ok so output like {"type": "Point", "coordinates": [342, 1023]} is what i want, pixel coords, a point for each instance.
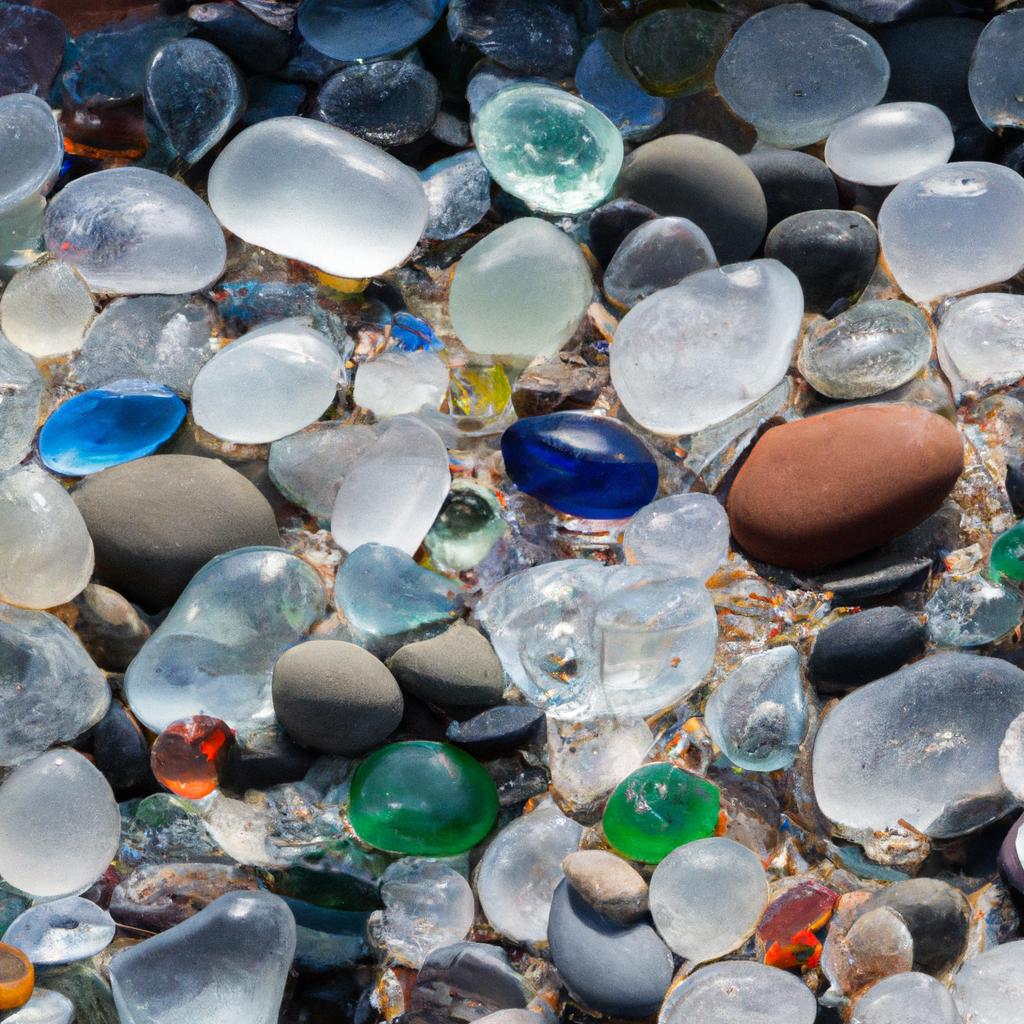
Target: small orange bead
{"type": "Point", "coordinates": [189, 756]}
{"type": "Point", "coordinates": [17, 977]}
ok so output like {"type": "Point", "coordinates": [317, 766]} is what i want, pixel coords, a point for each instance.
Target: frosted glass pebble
{"type": "Point", "coordinates": [689, 532]}
{"type": "Point", "coordinates": [61, 931]}
{"type": "Point", "coordinates": [968, 611]}
{"type": "Point", "coordinates": [46, 308]}
{"type": "Point", "coordinates": [271, 382]}
{"type": "Point", "coordinates": [929, 221]}
{"type": "Point", "coordinates": [398, 382]}
{"type": "Point", "coordinates": [21, 393]}
{"type": "Point", "coordinates": [393, 491]}
{"type": "Point", "coordinates": [989, 988]}
{"type": "Point", "coordinates": [46, 555]}
{"type": "Point", "coordinates": [981, 341]}
{"type": "Point", "coordinates": [129, 230]}
{"type": "Point", "coordinates": [1011, 758]}
{"type": "Point", "coordinates": [315, 193]}
{"type": "Point", "coordinates": [458, 192]}
{"type": "Point", "coordinates": [707, 897]}
{"type": "Point", "coordinates": [794, 73]}
{"type": "Point", "coordinates": [59, 825]}
{"type": "Point", "coordinates": [911, 998]}
{"type": "Point", "coordinates": [889, 143]}
{"type": "Point", "coordinates": [32, 148]}
{"type": "Point", "coordinates": [995, 76]}
{"type": "Point", "coordinates": [521, 291]}
{"type": "Point", "coordinates": [45, 1007]}
{"type": "Point", "coordinates": [695, 354]}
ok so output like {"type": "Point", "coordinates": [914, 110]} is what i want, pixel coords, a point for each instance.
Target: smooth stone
{"type": "Point", "coordinates": [872, 575]}
{"type": "Point", "coordinates": [794, 73]}
{"type": "Point", "coordinates": [121, 751]}
{"type": "Point", "coordinates": [388, 103]}
{"type": "Point", "coordinates": [269, 98]}
{"type": "Point", "coordinates": [1006, 559]}
{"type": "Point", "coordinates": [832, 252]}
{"type": "Point", "coordinates": [214, 653]}
{"type": "Point", "coordinates": [335, 697]}
{"type": "Point", "coordinates": [350, 30]}
{"type": "Point", "coordinates": [46, 308]}
{"type": "Point", "coordinates": [971, 610]}
{"type": "Point", "coordinates": [458, 192]}
{"type": "Point", "coordinates": [689, 532]}
{"type": "Point", "coordinates": [51, 689]}
{"type": "Point", "coordinates": [818, 491]}
{"type": "Point", "coordinates": [33, 149]}
{"type": "Point", "coordinates": [156, 521]}
{"type": "Point", "coordinates": [863, 647]}
{"type": "Point", "coordinates": [693, 355]}
{"type": "Point", "coordinates": [615, 889]}
{"type": "Point", "coordinates": [703, 181]}
{"type": "Point", "coordinates": [609, 225]}
{"type": "Point", "coordinates": [989, 987]}
{"type": "Point", "coordinates": [911, 998]}
{"type": "Point", "coordinates": [1011, 757]}
{"type": "Point", "coordinates": [498, 730]}
{"type": "Point", "coordinates": [61, 932]}
{"type": "Point", "coordinates": [230, 961]}
{"type": "Point", "coordinates": [621, 971]}
{"type": "Point", "coordinates": [271, 382]}
{"type": "Point", "coordinates": [588, 466]}
{"type": "Point", "coordinates": [521, 291]}
{"type": "Point", "coordinates": [31, 49]}
{"type": "Point", "coordinates": [793, 182]}
{"type": "Point", "coordinates": [869, 349]}
{"type": "Point", "coordinates": [393, 489]}
{"type": "Point", "coordinates": [44, 1007]}
{"type": "Point", "coordinates": [276, 183]}
{"type": "Point", "coordinates": [457, 669]}
{"type": "Point", "coordinates": [1011, 867]}
{"type": "Point", "coordinates": [59, 825]}
{"type": "Point", "coordinates": [981, 341]}
{"type": "Point", "coordinates": [129, 230]}
{"type": "Point", "coordinates": [994, 79]}
{"type": "Point", "coordinates": [927, 222]}
{"type": "Point", "coordinates": [47, 550]}
{"type": "Point", "coordinates": [21, 394]}
{"type": "Point", "coordinates": [397, 383]}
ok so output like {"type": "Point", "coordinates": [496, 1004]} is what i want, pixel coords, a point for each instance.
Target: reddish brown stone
{"type": "Point", "coordinates": [821, 490]}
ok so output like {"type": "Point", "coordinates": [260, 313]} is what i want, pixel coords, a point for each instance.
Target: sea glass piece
{"type": "Point", "coordinates": [1006, 559]}
{"type": "Point", "coordinates": [125, 420]}
{"type": "Point", "coordinates": [45, 1007]}
{"type": "Point", "coordinates": [553, 150]}
{"type": "Point", "coordinates": [468, 526]}
{"type": "Point", "coordinates": [787, 929]}
{"type": "Point", "coordinates": [21, 393]}
{"type": "Point", "coordinates": [968, 611]}
{"type": "Point", "coordinates": [190, 755]}
{"type": "Point", "coordinates": [688, 532]}
{"type": "Point", "coordinates": [214, 654]}
{"type": "Point", "coordinates": [47, 551]}
{"type": "Point", "coordinates": [229, 962]}
{"type": "Point", "coordinates": [422, 798]}
{"type": "Point", "coordinates": [277, 185]}
{"type": "Point", "coordinates": [886, 144]}
{"type": "Point", "coordinates": [353, 30]}
{"type": "Point", "coordinates": [397, 382]}
{"type": "Point", "coordinates": [46, 308]}
{"type": "Point", "coordinates": [989, 987]}
{"type": "Point", "coordinates": [521, 292]}
{"type": "Point", "coordinates": [458, 192]}
{"type": "Point", "coordinates": [981, 341]}
{"type": "Point", "coordinates": [927, 221]}
{"type": "Point", "coordinates": [195, 94]}
{"type": "Point", "coordinates": [61, 931]}
{"type": "Point", "coordinates": [873, 347]}
{"type": "Point", "coordinates": [59, 825]}
{"type": "Point", "coordinates": [994, 79]}
{"type": "Point", "coordinates": [911, 998]}
{"type": "Point", "coordinates": [271, 382]}
{"type": "Point", "coordinates": [658, 808]}
{"type": "Point", "coordinates": [695, 354]}
{"type": "Point", "coordinates": [33, 149]}
{"type": "Point", "coordinates": [794, 73]}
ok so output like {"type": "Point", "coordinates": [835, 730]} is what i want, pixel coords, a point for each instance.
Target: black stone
{"type": "Point", "coordinates": [267, 759]}
{"type": "Point", "coordinates": [1015, 486]}
{"type": "Point", "coordinates": [110, 628]}
{"type": "Point", "coordinates": [793, 182]}
{"type": "Point", "coordinates": [270, 98]}
{"type": "Point", "coordinates": [873, 575]}
{"type": "Point", "coordinates": [609, 225]}
{"type": "Point", "coordinates": [497, 730]}
{"type": "Point", "coordinates": [976, 142]}
{"type": "Point", "coordinates": [120, 751]}
{"type": "Point", "coordinates": [241, 35]}
{"type": "Point", "coordinates": [1010, 866]}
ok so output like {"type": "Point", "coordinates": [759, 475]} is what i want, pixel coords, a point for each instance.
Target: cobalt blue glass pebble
{"type": "Point", "coordinates": [587, 466]}
{"type": "Point", "coordinates": [411, 334]}
{"type": "Point", "coordinates": [106, 426]}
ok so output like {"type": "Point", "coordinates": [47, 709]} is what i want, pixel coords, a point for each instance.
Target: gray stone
{"type": "Point", "coordinates": [612, 887]}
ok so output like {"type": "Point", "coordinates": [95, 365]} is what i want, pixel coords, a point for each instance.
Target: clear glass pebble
{"type": "Point", "coordinates": [968, 611]}
{"type": "Point", "coordinates": [981, 341]}
{"type": "Point", "coordinates": [45, 1007]}
{"type": "Point", "coordinates": [1011, 758]}
{"type": "Point", "coordinates": [61, 931]}
{"type": "Point", "coordinates": [458, 192]}
{"type": "Point", "coordinates": [688, 532]}
{"type": "Point", "coordinates": [398, 382]}
{"type": "Point", "coordinates": [33, 149]}
{"type": "Point", "coordinates": [877, 945]}
{"type": "Point", "coordinates": [46, 308]}
{"type": "Point", "coordinates": [994, 79]}
{"type": "Point", "coordinates": [989, 987]}
{"type": "Point", "coordinates": [911, 998]}
{"type": "Point", "coordinates": [21, 393]}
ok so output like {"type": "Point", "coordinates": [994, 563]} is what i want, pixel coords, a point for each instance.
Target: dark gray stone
{"type": "Point", "coordinates": [793, 182]}
{"type": "Point", "coordinates": [120, 751]}
{"type": "Point", "coordinates": [472, 973]}
{"type": "Point", "coordinates": [609, 225]}
{"type": "Point", "coordinates": [497, 730]}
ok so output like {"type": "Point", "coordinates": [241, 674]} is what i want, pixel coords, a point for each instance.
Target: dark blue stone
{"type": "Point", "coordinates": [587, 466]}
{"type": "Point", "coordinates": [104, 427]}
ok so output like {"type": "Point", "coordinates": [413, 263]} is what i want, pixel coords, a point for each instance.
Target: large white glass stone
{"type": "Point", "coordinates": [981, 341]}
{"type": "Point", "coordinates": [399, 382]}
{"type": "Point", "coordinates": [689, 532]}
{"type": "Point", "coordinates": [989, 988]}
{"type": "Point", "coordinates": [910, 998]}
{"type": "Point", "coordinates": [32, 148]}
{"type": "Point", "coordinates": [46, 308]}
{"type": "Point", "coordinates": [995, 77]}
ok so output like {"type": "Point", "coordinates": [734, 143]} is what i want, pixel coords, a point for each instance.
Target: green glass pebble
{"type": "Point", "coordinates": [547, 147]}
{"type": "Point", "coordinates": [469, 524]}
{"type": "Point", "coordinates": [658, 808]}
{"type": "Point", "coordinates": [1006, 561]}
{"type": "Point", "coordinates": [422, 798]}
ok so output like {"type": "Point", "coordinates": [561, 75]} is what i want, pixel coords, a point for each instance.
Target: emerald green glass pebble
{"type": "Point", "coordinates": [422, 798]}
{"type": "Point", "coordinates": [1006, 561]}
{"type": "Point", "coordinates": [658, 808]}
{"type": "Point", "coordinates": [547, 147]}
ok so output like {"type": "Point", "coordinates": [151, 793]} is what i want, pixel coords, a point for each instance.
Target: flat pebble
{"type": "Point", "coordinates": [912, 998]}
{"type": "Point", "coordinates": [981, 341]}
{"type": "Point", "coordinates": [609, 884]}
{"type": "Point", "coordinates": [349, 30]}
{"type": "Point", "coordinates": [988, 988]}
{"type": "Point", "coordinates": [993, 79]}
{"type": "Point", "coordinates": [689, 532]}
{"type": "Point", "coordinates": [397, 382]}
{"type": "Point", "coordinates": [62, 931]}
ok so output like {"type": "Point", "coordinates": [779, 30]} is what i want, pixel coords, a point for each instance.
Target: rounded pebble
{"type": "Point", "coordinates": [46, 308]}
{"type": "Point", "coordinates": [33, 148]}
{"type": "Point", "coordinates": [61, 931]}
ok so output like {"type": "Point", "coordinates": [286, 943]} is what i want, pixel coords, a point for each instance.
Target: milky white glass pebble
{"type": "Point", "coordinates": [46, 555]}
{"type": "Point", "coordinates": [46, 308]}
{"type": "Point", "coordinates": [707, 897]}
{"type": "Point", "coordinates": [911, 998]}
{"type": "Point", "coordinates": [59, 825]}
{"type": "Point", "coordinates": [989, 988]}
{"type": "Point", "coordinates": [271, 382]}
{"type": "Point", "coordinates": [689, 532]}
{"type": "Point", "coordinates": [695, 354]}
{"type": "Point", "coordinates": [888, 143]}
{"type": "Point", "coordinates": [129, 231]}
{"type": "Point", "coordinates": [981, 341]}
{"type": "Point", "coordinates": [61, 931]}
{"type": "Point", "coordinates": [521, 291]}
{"type": "Point", "coordinates": [794, 73]}
{"type": "Point", "coordinates": [308, 190]}
{"type": "Point", "coordinates": [45, 1007]}
{"type": "Point", "coordinates": [398, 382]}
{"type": "Point", "coordinates": [521, 869]}
{"type": "Point", "coordinates": [928, 222]}
{"type": "Point", "coordinates": [995, 76]}
{"type": "Point", "coordinates": [1011, 758]}
{"type": "Point", "coordinates": [394, 489]}
{"type": "Point", "coordinates": [21, 393]}
{"type": "Point", "coordinates": [32, 148]}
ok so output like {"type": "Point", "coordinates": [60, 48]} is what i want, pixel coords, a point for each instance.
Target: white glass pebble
{"type": "Point", "coordinates": [61, 931]}
{"type": "Point", "coordinates": [688, 532]}
{"type": "Point", "coordinates": [910, 998]}
{"type": "Point", "coordinates": [995, 76]}
{"type": "Point", "coordinates": [981, 341]}
{"type": "Point", "coordinates": [32, 148]}
{"type": "Point", "coordinates": [46, 308]}
{"type": "Point", "coordinates": [989, 987]}
{"type": "Point", "coordinates": [398, 382]}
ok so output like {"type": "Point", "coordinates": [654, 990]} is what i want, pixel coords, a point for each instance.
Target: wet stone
{"type": "Point", "coordinates": [190, 755]}
{"type": "Point", "coordinates": [497, 730]}
{"type": "Point", "coordinates": [610, 223]}
{"type": "Point", "coordinates": [21, 390]}
{"type": "Point", "coordinates": [348, 30]}
{"type": "Point", "coordinates": [61, 931]}
{"type": "Point", "coordinates": [458, 192]}
{"type": "Point", "coordinates": [31, 49]}
{"type": "Point", "coordinates": [793, 182]}
{"type": "Point", "coordinates": [611, 886]}
{"type": "Point", "coordinates": [242, 36]}
{"type": "Point", "coordinates": [34, 146]}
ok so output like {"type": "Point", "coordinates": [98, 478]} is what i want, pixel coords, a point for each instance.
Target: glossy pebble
{"type": "Point", "coordinates": [351, 30]}
{"type": "Point", "coordinates": [689, 532]}
{"type": "Point", "coordinates": [17, 977]}
{"type": "Point", "coordinates": [21, 392]}
{"type": "Point", "coordinates": [62, 931]}
{"type": "Point", "coordinates": [398, 382]}
{"type": "Point", "coordinates": [994, 78]}
{"type": "Point", "coordinates": [989, 987]}
{"type": "Point", "coordinates": [981, 341]}
{"type": "Point", "coordinates": [458, 191]}
{"type": "Point", "coordinates": [45, 1007]}
{"type": "Point", "coordinates": [190, 755]}
{"type": "Point", "coordinates": [911, 998]}
{"type": "Point", "coordinates": [33, 148]}
{"type": "Point", "coordinates": [46, 308]}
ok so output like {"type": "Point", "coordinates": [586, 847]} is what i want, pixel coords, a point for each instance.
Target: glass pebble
{"type": "Point", "coordinates": [190, 755]}
{"type": "Point", "coordinates": [468, 526]}
{"type": "Point", "coordinates": [33, 149]}
{"type": "Point", "coordinates": [994, 78]}
{"type": "Point", "coordinates": [981, 341]}
{"type": "Point", "coordinates": [62, 931]}
{"type": "Point", "coordinates": [353, 30]}
{"type": "Point", "coordinates": [46, 308]}
{"type": "Point", "coordinates": [989, 987]}
{"type": "Point", "coordinates": [458, 192]}
{"type": "Point", "coordinates": [970, 611]}
{"type": "Point", "coordinates": [21, 393]}
{"type": "Point", "coordinates": [688, 532]}
{"type": "Point", "coordinates": [1006, 559]}
{"type": "Point", "coordinates": [45, 1007]}
{"type": "Point", "coordinates": [911, 998]}
{"type": "Point", "coordinates": [18, 977]}
{"type": "Point", "coordinates": [397, 382]}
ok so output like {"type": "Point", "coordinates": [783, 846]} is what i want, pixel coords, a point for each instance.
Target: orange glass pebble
{"type": "Point", "coordinates": [189, 756]}
{"type": "Point", "coordinates": [17, 977]}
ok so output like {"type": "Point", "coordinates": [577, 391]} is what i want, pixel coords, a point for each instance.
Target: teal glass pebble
{"type": "Point", "coordinates": [554, 151]}
{"type": "Point", "coordinates": [104, 427]}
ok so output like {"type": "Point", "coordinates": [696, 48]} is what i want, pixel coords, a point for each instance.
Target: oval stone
{"type": "Point", "coordinates": [587, 466]}
{"type": "Point", "coordinates": [353, 30]}
{"type": "Point", "coordinates": [33, 148]}
{"type": "Point", "coordinates": [128, 230]}
{"type": "Point", "coordinates": [821, 490]}
{"type": "Point", "coordinates": [313, 192]}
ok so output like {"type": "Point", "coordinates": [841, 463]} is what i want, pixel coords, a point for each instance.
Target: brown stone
{"type": "Point", "coordinates": [821, 490]}
{"type": "Point", "coordinates": [615, 889]}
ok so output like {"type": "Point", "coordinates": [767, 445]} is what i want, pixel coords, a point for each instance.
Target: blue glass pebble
{"type": "Point", "coordinates": [587, 466]}
{"type": "Point", "coordinates": [104, 427]}
{"type": "Point", "coordinates": [411, 334]}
